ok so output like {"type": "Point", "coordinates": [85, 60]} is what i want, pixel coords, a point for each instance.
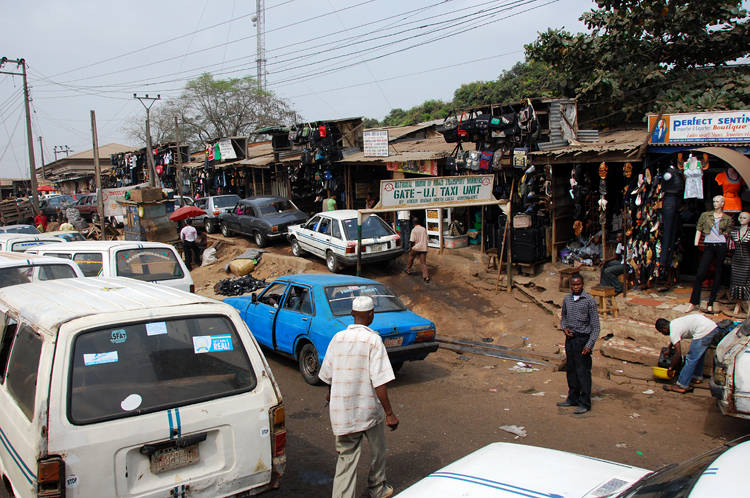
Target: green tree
{"type": "Point", "coordinates": [427, 111]}
{"type": "Point", "coordinates": [643, 56]}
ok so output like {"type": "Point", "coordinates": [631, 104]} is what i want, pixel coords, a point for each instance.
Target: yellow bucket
{"type": "Point", "coordinates": [661, 373]}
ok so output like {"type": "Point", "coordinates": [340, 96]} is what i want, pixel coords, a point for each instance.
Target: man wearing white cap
{"type": "Point", "coordinates": [356, 368]}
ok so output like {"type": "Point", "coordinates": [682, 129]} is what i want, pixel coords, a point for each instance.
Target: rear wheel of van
{"type": "Point", "coordinates": [309, 365]}
{"type": "Point", "coordinates": [225, 231]}
{"type": "Point", "coordinates": [296, 248]}
{"type": "Point", "coordinates": [331, 262]}
{"type": "Point", "coordinates": [210, 226]}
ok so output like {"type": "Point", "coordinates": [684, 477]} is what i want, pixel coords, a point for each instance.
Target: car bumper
{"type": "Point", "coordinates": [417, 351]}
{"type": "Point", "coordinates": [370, 257]}
{"type": "Point", "coordinates": [716, 390]}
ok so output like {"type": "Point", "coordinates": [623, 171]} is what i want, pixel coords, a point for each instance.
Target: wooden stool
{"type": "Point", "coordinates": [603, 292]}
{"type": "Point", "coordinates": [565, 275]}
{"type": "Point", "coordinates": [492, 261]}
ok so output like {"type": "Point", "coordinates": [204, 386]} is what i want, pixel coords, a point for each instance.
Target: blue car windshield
{"type": "Point", "coordinates": [372, 227]}
{"type": "Point", "coordinates": [340, 298]}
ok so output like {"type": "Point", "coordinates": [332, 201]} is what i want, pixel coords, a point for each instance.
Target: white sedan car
{"type": "Point", "coordinates": [506, 470]}
{"type": "Point", "coordinates": [332, 235]}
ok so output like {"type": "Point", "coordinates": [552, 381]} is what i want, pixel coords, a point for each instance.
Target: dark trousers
{"type": "Point", "coordinates": [192, 252]}
{"type": "Point", "coordinates": [713, 252]}
{"type": "Point", "coordinates": [671, 205]}
{"type": "Point", "coordinates": [609, 275]}
{"type": "Point", "coordinates": [578, 368]}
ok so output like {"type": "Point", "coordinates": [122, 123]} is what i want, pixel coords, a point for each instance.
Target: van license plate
{"type": "Point", "coordinates": [376, 248]}
{"type": "Point", "coordinates": [393, 342]}
{"type": "Point", "coordinates": [174, 458]}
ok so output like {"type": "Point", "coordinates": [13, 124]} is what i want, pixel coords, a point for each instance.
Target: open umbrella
{"type": "Point", "coordinates": [186, 212]}
{"type": "Point", "coordinates": [45, 188]}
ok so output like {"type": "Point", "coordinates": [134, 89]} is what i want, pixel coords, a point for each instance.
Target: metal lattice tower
{"type": "Point", "coordinates": [260, 24]}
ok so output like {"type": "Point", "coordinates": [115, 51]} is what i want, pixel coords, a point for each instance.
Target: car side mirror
{"type": "Point", "coordinates": [253, 298]}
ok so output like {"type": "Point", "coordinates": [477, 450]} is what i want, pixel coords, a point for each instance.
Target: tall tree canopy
{"type": "Point", "coordinates": [209, 109]}
{"type": "Point", "coordinates": [643, 56]}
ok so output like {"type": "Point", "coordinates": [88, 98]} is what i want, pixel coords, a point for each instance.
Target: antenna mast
{"type": "Point", "coordinates": [260, 23]}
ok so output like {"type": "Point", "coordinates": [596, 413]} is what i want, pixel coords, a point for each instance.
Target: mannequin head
{"type": "Point", "coordinates": [732, 173]}
{"type": "Point", "coordinates": [744, 218]}
{"type": "Point", "coordinates": [718, 202]}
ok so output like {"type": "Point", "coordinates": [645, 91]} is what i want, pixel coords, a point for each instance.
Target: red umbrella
{"type": "Point", "coordinates": [186, 212]}
{"type": "Point", "coordinates": [45, 188]}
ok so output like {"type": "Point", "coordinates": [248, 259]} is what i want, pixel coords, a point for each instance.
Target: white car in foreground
{"type": "Point", "coordinates": [332, 235]}
{"type": "Point", "coordinates": [506, 470]}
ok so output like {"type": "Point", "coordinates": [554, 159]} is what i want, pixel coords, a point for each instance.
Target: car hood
{"type": "Point", "coordinates": [502, 470]}
{"type": "Point", "coordinates": [393, 323]}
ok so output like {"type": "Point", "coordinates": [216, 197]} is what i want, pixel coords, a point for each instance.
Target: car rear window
{"type": "Point", "coordinates": [90, 263]}
{"type": "Point", "coordinates": [26, 244]}
{"type": "Point", "coordinates": [372, 227]}
{"type": "Point", "coordinates": [149, 264]}
{"type": "Point", "coordinates": [27, 229]}
{"type": "Point", "coordinates": [340, 298]}
{"type": "Point", "coordinates": [226, 201]}
{"type": "Point", "coordinates": [25, 274]}
{"type": "Point", "coordinates": [130, 369]}
{"type": "Point", "coordinates": [276, 207]}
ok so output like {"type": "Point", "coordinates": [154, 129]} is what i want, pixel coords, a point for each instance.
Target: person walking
{"type": "Point", "coordinates": [580, 324]}
{"type": "Point", "coordinates": [356, 368]}
{"type": "Point", "coordinates": [188, 234]}
{"type": "Point", "coordinates": [702, 331]}
{"type": "Point", "coordinates": [418, 248]}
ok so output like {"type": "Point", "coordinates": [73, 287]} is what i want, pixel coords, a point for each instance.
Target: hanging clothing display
{"type": "Point", "coordinates": [739, 282]}
{"type": "Point", "coordinates": [693, 179]}
{"type": "Point", "coordinates": [731, 188]}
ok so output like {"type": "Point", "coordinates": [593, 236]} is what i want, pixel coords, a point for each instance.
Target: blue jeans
{"type": "Point", "coordinates": [609, 275]}
{"type": "Point", "coordinates": [693, 368]}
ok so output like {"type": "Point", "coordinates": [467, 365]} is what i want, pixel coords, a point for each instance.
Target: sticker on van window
{"type": "Point", "coordinates": [159, 328]}
{"type": "Point", "coordinates": [100, 358]}
{"type": "Point", "coordinates": [131, 402]}
{"type": "Point", "coordinates": [119, 336]}
{"type": "Point", "coordinates": [212, 343]}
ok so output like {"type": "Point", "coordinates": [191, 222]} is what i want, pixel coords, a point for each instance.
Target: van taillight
{"type": "Point", "coordinates": [51, 478]}
{"type": "Point", "coordinates": [278, 417]}
{"type": "Point", "coordinates": [192, 288]}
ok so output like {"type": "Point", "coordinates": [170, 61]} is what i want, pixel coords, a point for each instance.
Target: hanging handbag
{"type": "Point", "coordinates": [450, 164]}
{"type": "Point", "coordinates": [472, 160]}
{"type": "Point", "coordinates": [485, 161]}
{"type": "Point", "coordinates": [527, 119]}
{"type": "Point", "coordinates": [497, 159]}
{"type": "Point", "coordinates": [483, 122]}
{"type": "Point", "coordinates": [461, 159]}
{"type": "Point", "coordinates": [520, 157]}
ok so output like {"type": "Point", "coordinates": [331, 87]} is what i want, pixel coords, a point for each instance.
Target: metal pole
{"type": "Point", "coordinates": [150, 152]}
{"type": "Point", "coordinates": [30, 139]}
{"type": "Point", "coordinates": [359, 244]}
{"type": "Point", "coordinates": [41, 149]}
{"type": "Point", "coordinates": [179, 161]}
{"type": "Point", "coordinates": [98, 173]}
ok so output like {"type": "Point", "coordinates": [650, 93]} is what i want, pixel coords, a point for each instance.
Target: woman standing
{"type": "Point", "coordinates": [717, 226]}
{"type": "Point", "coordinates": [739, 282]}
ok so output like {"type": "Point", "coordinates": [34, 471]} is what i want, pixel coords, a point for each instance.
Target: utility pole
{"type": "Point", "coordinates": [98, 173]}
{"type": "Point", "coordinates": [259, 20]}
{"type": "Point", "coordinates": [41, 150]}
{"type": "Point", "coordinates": [60, 149]}
{"type": "Point", "coordinates": [180, 180]}
{"type": "Point", "coordinates": [150, 152]}
{"type": "Point", "coordinates": [29, 138]}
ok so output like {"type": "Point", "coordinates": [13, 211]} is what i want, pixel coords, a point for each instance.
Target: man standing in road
{"type": "Point", "coordinates": [356, 368]}
{"type": "Point", "coordinates": [418, 242]}
{"type": "Point", "coordinates": [702, 331]}
{"type": "Point", "coordinates": [580, 323]}
{"type": "Point", "coordinates": [188, 235]}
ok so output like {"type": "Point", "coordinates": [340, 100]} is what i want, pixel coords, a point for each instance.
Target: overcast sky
{"type": "Point", "coordinates": [329, 58]}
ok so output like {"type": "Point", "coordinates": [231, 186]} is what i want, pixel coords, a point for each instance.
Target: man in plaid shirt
{"type": "Point", "coordinates": [580, 323]}
{"type": "Point", "coordinates": [357, 369]}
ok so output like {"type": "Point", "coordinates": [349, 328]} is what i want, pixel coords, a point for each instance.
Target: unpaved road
{"type": "Point", "coordinates": [451, 404]}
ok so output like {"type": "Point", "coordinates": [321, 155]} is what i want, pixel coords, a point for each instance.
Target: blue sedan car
{"type": "Point", "coordinates": [298, 315]}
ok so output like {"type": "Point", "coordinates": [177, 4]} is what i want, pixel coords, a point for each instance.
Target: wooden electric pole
{"type": "Point", "coordinates": [41, 150]}
{"type": "Point", "coordinates": [98, 173]}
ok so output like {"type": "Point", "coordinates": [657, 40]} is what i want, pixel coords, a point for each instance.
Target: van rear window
{"type": "Point", "coordinates": [149, 264]}
{"type": "Point", "coordinates": [33, 273]}
{"type": "Point", "coordinates": [131, 369]}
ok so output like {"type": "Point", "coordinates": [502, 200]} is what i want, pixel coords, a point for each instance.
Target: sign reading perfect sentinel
{"type": "Point", "coordinates": [418, 193]}
{"type": "Point", "coordinates": [710, 127]}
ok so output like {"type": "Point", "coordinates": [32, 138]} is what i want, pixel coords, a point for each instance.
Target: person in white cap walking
{"type": "Point", "coordinates": [356, 368]}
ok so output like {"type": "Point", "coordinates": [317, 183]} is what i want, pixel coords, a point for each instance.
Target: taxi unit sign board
{"type": "Point", "coordinates": [418, 193]}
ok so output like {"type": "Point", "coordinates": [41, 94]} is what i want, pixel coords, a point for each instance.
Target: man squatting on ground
{"type": "Point", "coordinates": [356, 368]}
{"type": "Point", "coordinates": [702, 331]}
{"type": "Point", "coordinates": [580, 323]}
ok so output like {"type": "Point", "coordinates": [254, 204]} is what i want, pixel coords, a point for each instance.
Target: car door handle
{"type": "Point", "coordinates": [271, 312]}
{"type": "Point", "coordinates": [304, 319]}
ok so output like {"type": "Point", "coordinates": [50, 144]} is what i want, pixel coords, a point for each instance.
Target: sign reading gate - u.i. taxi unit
{"type": "Point", "coordinates": [419, 193]}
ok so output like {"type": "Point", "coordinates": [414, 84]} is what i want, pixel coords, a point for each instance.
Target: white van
{"type": "Point", "coordinates": [730, 382]}
{"type": "Point", "coordinates": [153, 262]}
{"type": "Point", "coordinates": [19, 242]}
{"type": "Point", "coordinates": [21, 268]}
{"type": "Point", "coordinates": [112, 387]}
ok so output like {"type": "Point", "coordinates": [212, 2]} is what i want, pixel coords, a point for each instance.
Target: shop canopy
{"type": "Point", "coordinates": [738, 161]}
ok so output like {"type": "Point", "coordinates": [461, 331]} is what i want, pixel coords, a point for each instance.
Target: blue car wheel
{"type": "Point", "coordinates": [309, 366]}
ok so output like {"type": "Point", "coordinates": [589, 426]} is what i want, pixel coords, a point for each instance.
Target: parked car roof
{"type": "Point", "coordinates": [265, 198]}
{"type": "Point", "coordinates": [8, 257]}
{"type": "Point", "coordinates": [26, 236]}
{"type": "Point", "coordinates": [103, 245]}
{"type": "Point", "coordinates": [52, 303]}
{"type": "Point", "coordinates": [325, 279]}
{"type": "Point", "coordinates": [342, 214]}
{"type": "Point", "coordinates": [27, 229]}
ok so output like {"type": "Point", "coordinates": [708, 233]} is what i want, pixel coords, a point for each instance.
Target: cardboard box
{"type": "Point", "coordinates": [452, 242]}
{"type": "Point", "coordinates": [150, 194]}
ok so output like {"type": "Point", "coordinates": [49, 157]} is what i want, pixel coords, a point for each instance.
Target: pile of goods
{"type": "Point", "coordinates": [239, 286]}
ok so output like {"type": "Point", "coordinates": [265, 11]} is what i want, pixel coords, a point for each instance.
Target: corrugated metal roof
{"type": "Point", "coordinates": [396, 132]}
{"type": "Point", "coordinates": [416, 150]}
{"type": "Point", "coordinates": [609, 141]}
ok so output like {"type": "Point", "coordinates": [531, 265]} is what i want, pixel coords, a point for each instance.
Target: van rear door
{"type": "Point", "coordinates": [170, 406]}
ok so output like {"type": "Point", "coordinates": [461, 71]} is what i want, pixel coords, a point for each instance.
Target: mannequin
{"type": "Point", "coordinates": [731, 183]}
{"type": "Point", "coordinates": [693, 170]}
{"type": "Point", "coordinates": [739, 286]}
{"type": "Point", "coordinates": [717, 227]}
{"type": "Point", "coordinates": [673, 187]}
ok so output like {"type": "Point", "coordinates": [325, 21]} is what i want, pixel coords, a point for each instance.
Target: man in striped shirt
{"type": "Point", "coordinates": [356, 368]}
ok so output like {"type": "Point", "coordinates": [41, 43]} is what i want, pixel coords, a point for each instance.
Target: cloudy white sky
{"type": "Point", "coordinates": [329, 58]}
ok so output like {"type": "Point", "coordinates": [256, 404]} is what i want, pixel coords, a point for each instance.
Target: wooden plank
{"type": "Point", "coordinates": [505, 355]}
{"type": "Point", "coordinates": [497, 347]}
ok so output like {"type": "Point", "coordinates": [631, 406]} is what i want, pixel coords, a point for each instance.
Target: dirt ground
{"type": "Point", "coordinates": [452, 404]}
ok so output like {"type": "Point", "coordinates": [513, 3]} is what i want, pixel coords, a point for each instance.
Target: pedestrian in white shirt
{"type": "Point", "coordinates": [356, 368]}
{"type": "Point", "coordinates": [191, 250]}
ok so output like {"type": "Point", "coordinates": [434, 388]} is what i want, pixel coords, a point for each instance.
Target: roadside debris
{"type": "Point", "coordinates": [514, 429]}
{"type": "Point", "coordinates": [239, 286]}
